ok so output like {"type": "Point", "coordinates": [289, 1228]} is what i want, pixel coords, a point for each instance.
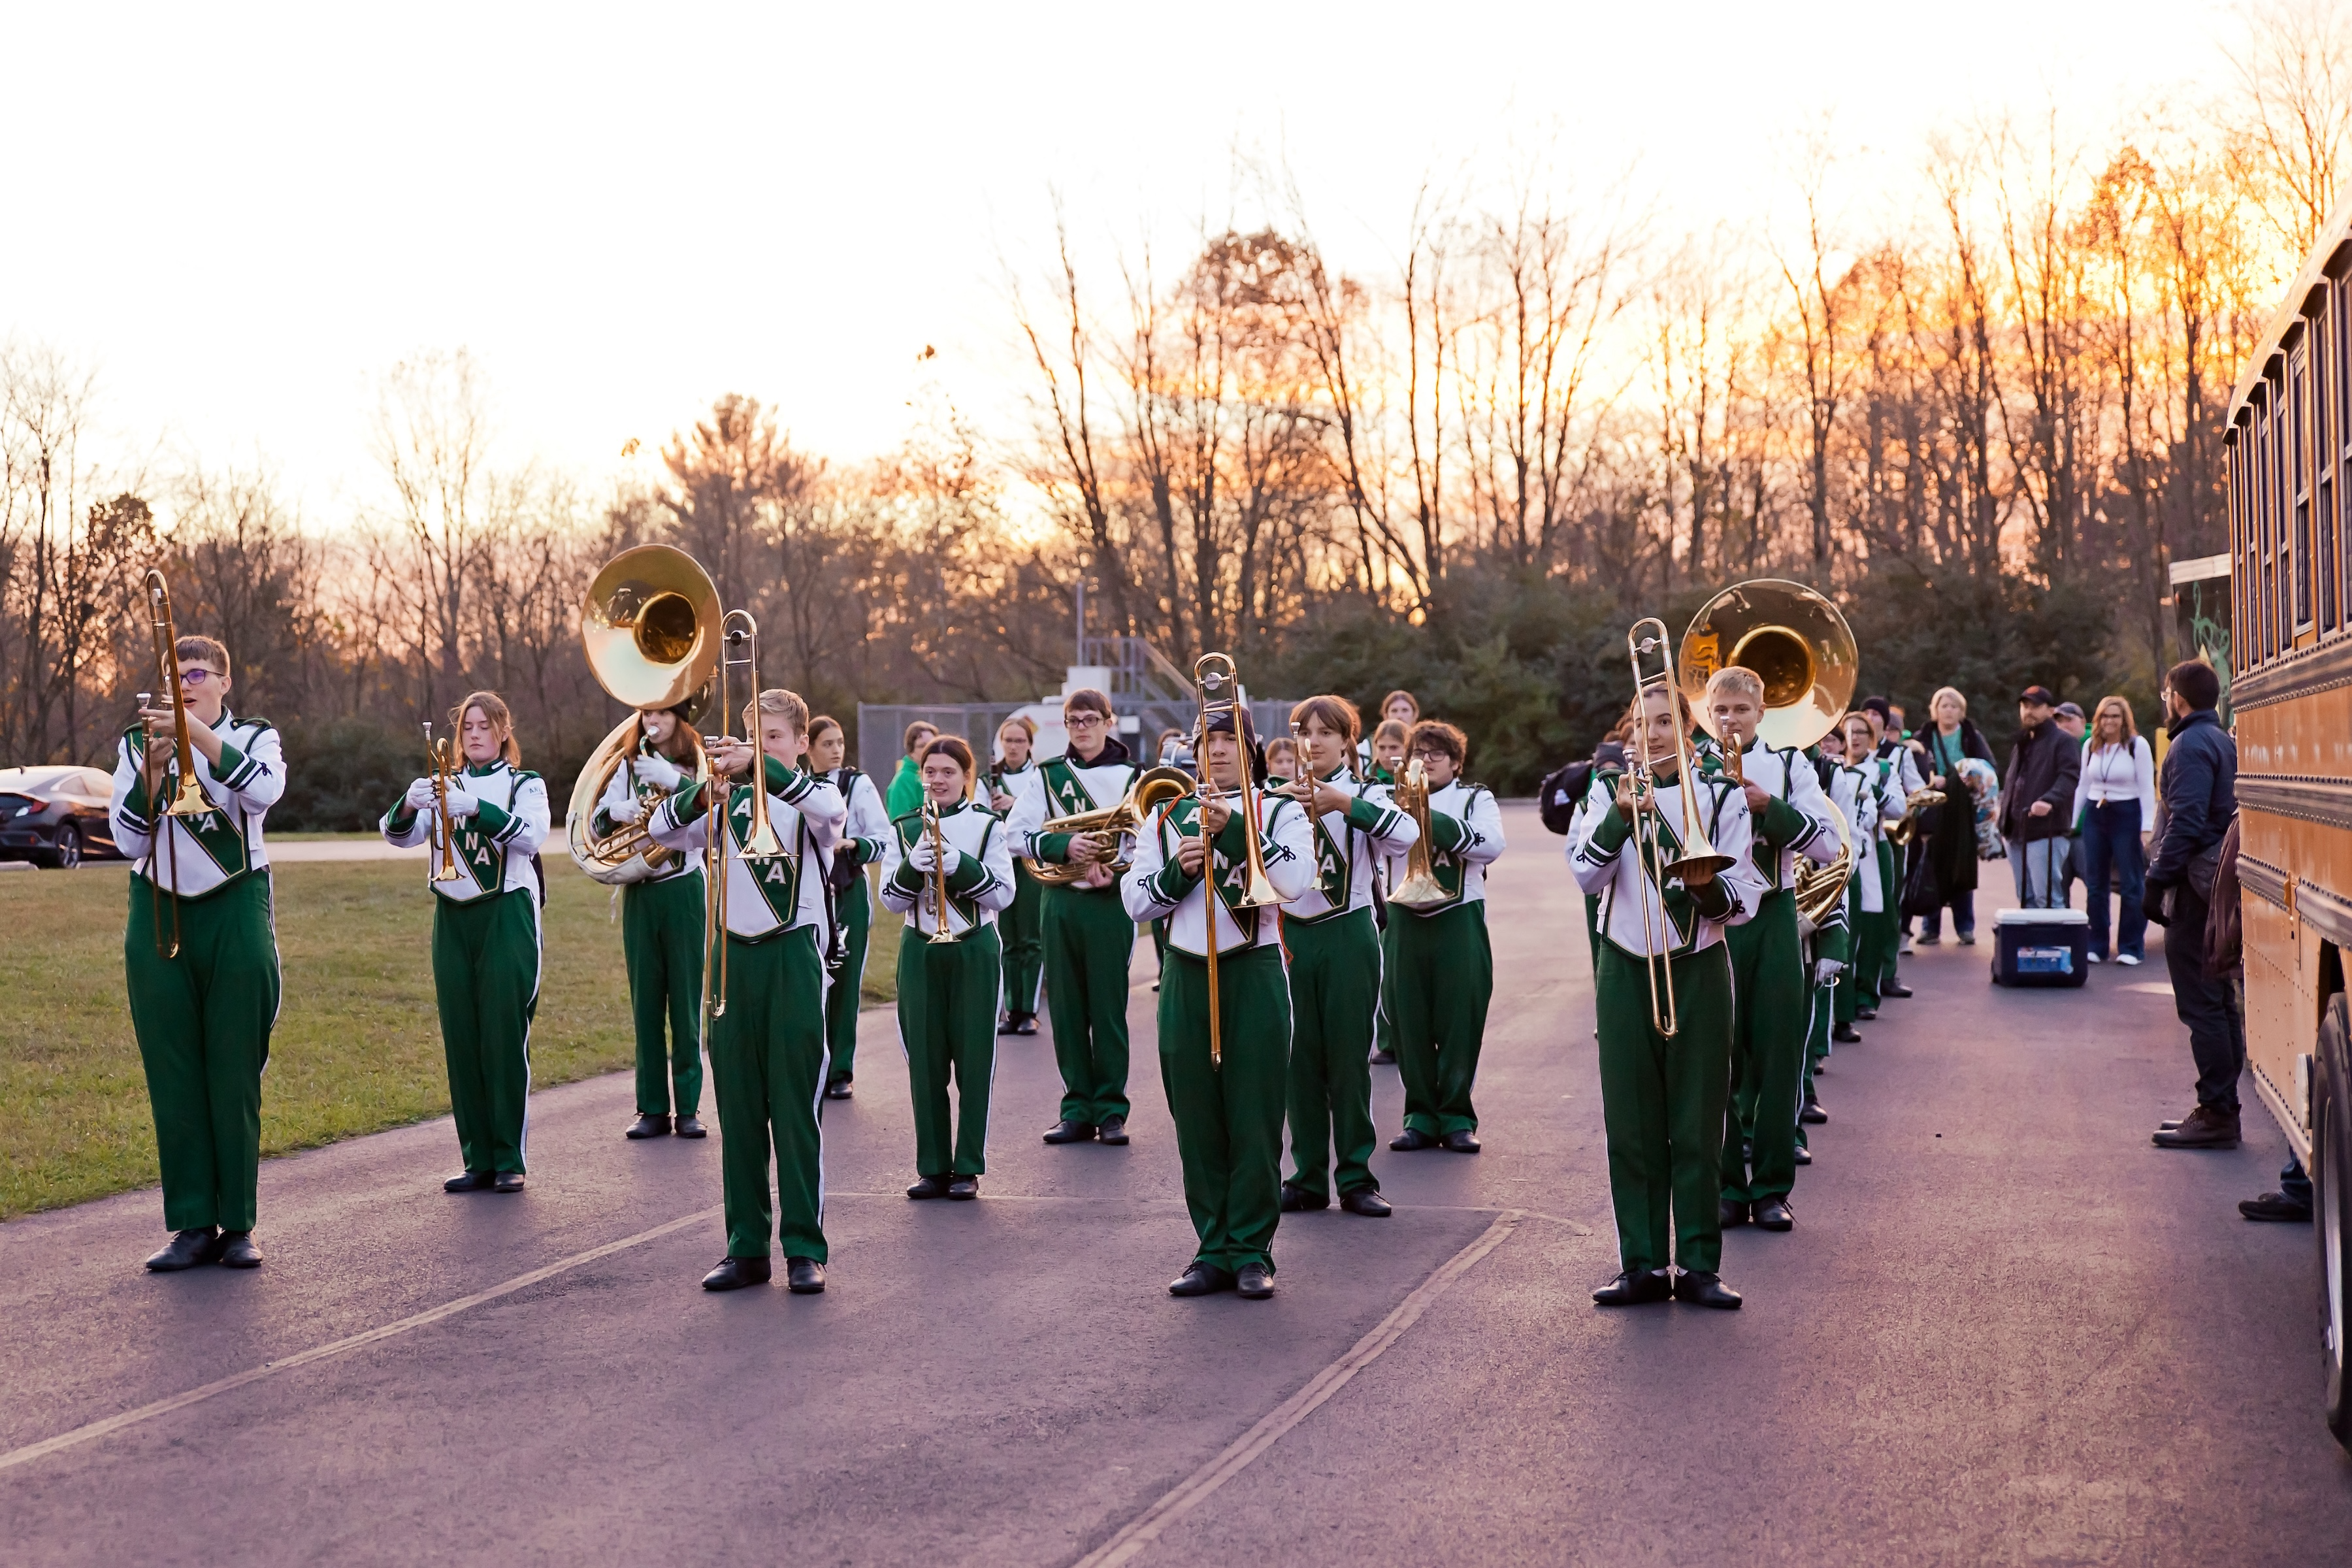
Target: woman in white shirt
{"type": "Point", "coordinates": [2114, 804]}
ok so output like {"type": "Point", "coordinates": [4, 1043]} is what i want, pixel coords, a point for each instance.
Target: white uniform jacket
{"type": "Point", "coordinates": [1606, 864]}
{"type": "Point", "coordinates": [1465, 834]}
{"type": "Point", "coordinates": [1348, 848]}
{"type": "Point", "coordinates": [495, 844]}
{"type": "Point", "coordinates": [1157, 885]}
{"type": "Point", "coordinates": [1065, 787]}
{"type": "Point", "coordinates": [200, 855]}
{"type": "Point", "coordinates": [628, 780]}
{"type": "Point", "coordinates": [1855, 792]}
{"type": "Point", "coordinates": [980, 870]}
{"type": "Point", "coordinates": [1787, 775]}
{"type": "Point", "coordinates": [786, 890]}
{"type": "Point", "coordinates": [867, 828]}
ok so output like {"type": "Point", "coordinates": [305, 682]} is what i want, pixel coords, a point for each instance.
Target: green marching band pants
{"type": "Point", "coordinates": [767, 1063]}
{"type": "Point", "coordinates": [1662, 1105]}
{"type": "Point", "coordinates": [947, 1023]}
{"type": "Point", "coordinates": [1335, 972]}
{"type": "Point", "coordinates": [203, 1021]}
{"type": "Point", "coordinates": [1772, 1012]}
{"type": "Point", "coordinates": [1021, 931]}
{"type": "Point", "coordinates": [1444, 979]}
{"type": "Point", "coordinates": [1875, 938]}
{"type": "Point", "coordinates": [1384, 1027]}
{"type": "Point", "coordinates": [856, 911]}
{"type": "Point", "coordinates": [1229, 1117]}
{"type": "Point", "coordinates": [661, 941]}
{"type": "Point", "coordinates": [1890, 878]}
{"type": "Point", "coordinates": [486, 984]}
{"type": "Point", "coordinates": [1089, 939]}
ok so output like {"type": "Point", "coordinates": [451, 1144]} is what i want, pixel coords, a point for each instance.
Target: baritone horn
{"type": "Point", "coordinates": [1153, 788]}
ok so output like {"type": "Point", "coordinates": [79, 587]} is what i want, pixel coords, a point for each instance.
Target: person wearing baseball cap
{"type": "Point", "coordinates": [2073, 722]}
{"type": "Point", "coordinates": [2037, 805]}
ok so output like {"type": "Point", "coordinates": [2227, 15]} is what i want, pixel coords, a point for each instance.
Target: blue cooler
{"type": "Point", "coordinates": [2041, 947]}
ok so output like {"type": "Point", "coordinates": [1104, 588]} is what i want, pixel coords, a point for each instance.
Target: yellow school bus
{"type": "Point", "coordinates": [2287, 452]}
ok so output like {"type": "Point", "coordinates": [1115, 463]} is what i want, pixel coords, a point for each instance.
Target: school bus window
{"type": "Point", "coordinates": [2298, 485]}
{"type": "Point", "coordinates": [2323, 483]}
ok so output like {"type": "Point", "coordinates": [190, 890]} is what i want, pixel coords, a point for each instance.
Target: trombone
{"type": "Point", "coordinates": [441, 763]}
{"type": "Point", "coordinates": [189, 799]}
{"type": "Point", "coordinates": [1695, 854]}
{"type": "Point", "coordinates": [739, 634]}
{"type": "Point", "coordinates": [1219, 688]}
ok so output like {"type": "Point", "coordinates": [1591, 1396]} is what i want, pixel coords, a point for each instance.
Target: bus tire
{"type": "Point", "coordinates": [2331, 1173]}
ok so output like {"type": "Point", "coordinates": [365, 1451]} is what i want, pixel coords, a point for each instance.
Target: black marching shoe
{"type": "Point", "coordinates": [1804, 1156]}
{"type": "Point", "coordinates": [841, 1088]}
{"type": "Point", "coordinates": [733, 1273]}
{"type": "Point", "coordinates": [1865, 1014]}
{"type": "Point", "coordinates": [1812, 1114]}
{"type": "Point", "coordinates": [1367, 1202]}
{"type": "Point", "coordinates": [2203, 1128]}
{"type": "Point", "coordinates": [1845, 1034]}
{"type": "Point", "coordinates": [1255, 1282]}
{"type": "Point", "coordinates": [803, 1276]}
{"type": "Point", "coordinates": [929, 1187]}
{"type": "Point", "coordinates": [1068, 1132]}
{"type": "Point", "coordinates": [507, 1182]}
{"type": "Point", "coordinates": [1894, 988]}
{"type": "Point", "coordinates": [1705, 1290]}
{"type": "Point", "coordinates": [1464, 1141]}
{"type": "Point", "coordinates": [1774, 1214]}
{"type": "Point", "coordinates": [1200, 1278]}
{"type": "Point", "coordinates": [188, 1250]}
{"type": "Point", "coordinates": [1729, 1212]}
{"type": "Point", "coordinates": [964, 1188]}
{"type": "Point", "coordinates": [237, 1250]}
{"type": "Point", "coordinates": [1024, 1023]}
{"type": "Point", "coordinates": [648, 1125]}
{"type": "Point", "coordinates": [1298, 1200]}
{"type": "Point", "coordinates": [2275, 1207]}
{"type": "Point", "coordinates": [468, 1182]}
{"type": "Point", "coordinates": [1633, 1288]}
{"type": "Point", "coordinates": [1005, 1025]}
{"type": "Point", "coordinates": [691, 1127]}
{"type": "Point", "coordinates": [1113, 1132]}
{"type": "Point", "coordinates": [1410, 1139]}
{"type": "Point", "coordinates": [1384, 1058]}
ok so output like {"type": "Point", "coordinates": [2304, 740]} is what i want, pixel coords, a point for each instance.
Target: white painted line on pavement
{"type": "Point", "coordinates": [97, 1429]}
{"type": "Point", "coordinates": [1145, 1528]}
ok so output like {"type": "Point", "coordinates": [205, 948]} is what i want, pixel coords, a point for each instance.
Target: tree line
{"type": "Point", "coordinates": [1986, 426]}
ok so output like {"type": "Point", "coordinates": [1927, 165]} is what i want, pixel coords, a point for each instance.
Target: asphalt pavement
{"type": "Point", "coordinates": [2006, 1329]}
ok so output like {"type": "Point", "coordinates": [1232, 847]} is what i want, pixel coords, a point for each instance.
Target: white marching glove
{"type": "Point", "coordinates": [629, 810]}
{"type": "Point", "coordinates": [660, 771]}
{"type": "Point", "coordinates": [420, 796]}
{"type": "Point", "coordinates": [952, 858]}
{"type": "Point", "coordinates": [920, 856]}
{"type": "Point", "coordinates": [1826, 971]}
{"type": "Point", "coordinates": [461, 803]}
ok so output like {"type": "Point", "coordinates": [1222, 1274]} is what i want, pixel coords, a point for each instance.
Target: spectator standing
{"type": "Point", "coordinates": [2070, 718]}
{"type": "Point", "coordinates": [905, 793]}
{"type": "Point", "coordinates": [1951, 844]}
{"type": "Point", "coordinates": [2198, 784]}
{"type": "Point", "coordinates": [2038, 799]}
{"type": "Point", "coordinates": [2115, 804]}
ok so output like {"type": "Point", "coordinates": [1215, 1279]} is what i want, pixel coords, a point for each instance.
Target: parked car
{"type": "Point", "coordinates": [55, 816]}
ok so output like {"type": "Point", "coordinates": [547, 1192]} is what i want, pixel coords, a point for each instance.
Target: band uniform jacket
{"type": "Point", "coordinates": [1868, 807]}
{"type": "Point", "coordinates": [625, 781]}
{"type": "Point", "coordinates": [1065, 787]}
{"type": "Point", "coordinates": [867, 828]}
{"type": "Point", "coordinates": [200, 855]}
{"type": "Point", "coordinates": [495, 845]}
{"type": "Point", "coordinates": [1348, 848]}
{"type": "Point", "coordinates": [979, 885]}
{"type": "Point", "coordinates": [1460, 868]}
{"type": "Point", "coordinates": [1787, 775]}
{"type": "Point", "coordinates": [1607, 864]}
{"type": "Point", "coordinates": [1156, 885]}
{"type": "Point", "coordinates": [777, 894]}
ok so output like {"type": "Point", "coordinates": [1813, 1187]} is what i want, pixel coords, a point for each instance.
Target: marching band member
{"type": "Point", "coordinates": [1402, 708]}
{"type": "Point", "coordinates": [905, 792]}
{"type": "Point", "coordinates": [1386, 766]}
{"type": "Point", "coordinates": [1662, 1099]}
{"type": "Point", "coordinates": [767, 1046]}
{"type": "Point", "coordinates": [203, 1013]}
{"type": "Point", "coordinates": [1228, 1111]}
{"type": "Point", "coordinates": [662, 938]}
{"type": "Point", "coordinates": [1769, 981]}
{"type": "Point", "coordinates": [865, 837]}
{"type": "Point", "coordinates": [1335, 964]}
{"type": "Point", "coordinates": [948, 990]}
{"type": "Point", "coordinates": [1857, 791]}
{"type": "Point", "coordinates": [1896, 763]}
{"type": "Point", "coordinates": [1281, 761]}
{"type": "Point", "coordinates": [1018, 928]}
{"type": "Point", "coordinates": [486, 935]}
{"type": "Point", "coordinates": [1445, 961]}
{"type": "Point", "coordinates": [1828, 951]}
{"type": "Point", "coordinates": [1090, 941]}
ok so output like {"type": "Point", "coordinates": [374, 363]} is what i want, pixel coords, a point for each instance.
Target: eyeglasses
{"type": "Point", "coordinates": [1081, 721]}
{"type": "Point", "coordinates": [1433, 756]}
{"type": "Point", "coordinates": [198, 676]}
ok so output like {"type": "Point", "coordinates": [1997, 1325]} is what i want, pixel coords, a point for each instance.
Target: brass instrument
{"type": "Point", "coordinates": [738, 631]}
{"type": "Point", "coordinates": [440, 765]}
{"type": "Point", "coordinates": [1696, 855]}
{"type": "Point", "coordinates": [1420, 889]}
{"type": "Point", "coordinates": [189, 799]}
{"type": "Point", "coordinates": [939, 872]}
{"type": "Point", "coordinates": [1153, 788]}
{"type": "Point", "coordinates": [1820, 887]}
{"type": "Point", "coordinates": [1218, 686]}
{"type": "Point", "coordinates": [649, 626]}
{"type": "Point", "coordinates": [1908, 829]}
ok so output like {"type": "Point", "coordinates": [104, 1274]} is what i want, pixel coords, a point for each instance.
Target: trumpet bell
{"type": "Point", "coordinates": [650, 627]}
{"type": "Point", "coordinates": [1795, 640]}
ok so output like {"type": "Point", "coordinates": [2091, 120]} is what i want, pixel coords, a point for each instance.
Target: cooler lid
{"type": "Point", "coordinates": [2042, 917]}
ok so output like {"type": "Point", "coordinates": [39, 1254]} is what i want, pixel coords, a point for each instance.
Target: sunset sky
{"type": "Point", "coordinates": [624, 212]}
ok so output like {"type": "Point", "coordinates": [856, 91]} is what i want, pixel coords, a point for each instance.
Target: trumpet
{"type": "Point", "coordinates": [189, 799]}
{"type": "Point", "coordinates": [441, 763]}
{"type": "Point", "coordinates": [1696, 855]}
{"type": "Point", "coordinates": [939, 872]}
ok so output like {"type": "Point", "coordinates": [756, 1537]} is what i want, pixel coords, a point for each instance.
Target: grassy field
{"type": "Point", "coordinates": [357, 1049]}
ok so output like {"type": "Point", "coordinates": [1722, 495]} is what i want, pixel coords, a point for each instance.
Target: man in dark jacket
{"type": "Point", "coordinates": [2037, 800]}
{"type": "Point", "coordinates": [2198, 786]}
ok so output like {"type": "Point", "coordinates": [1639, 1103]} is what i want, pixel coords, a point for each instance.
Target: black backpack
{"type": "Point", "coordinates": [1561, 792]}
